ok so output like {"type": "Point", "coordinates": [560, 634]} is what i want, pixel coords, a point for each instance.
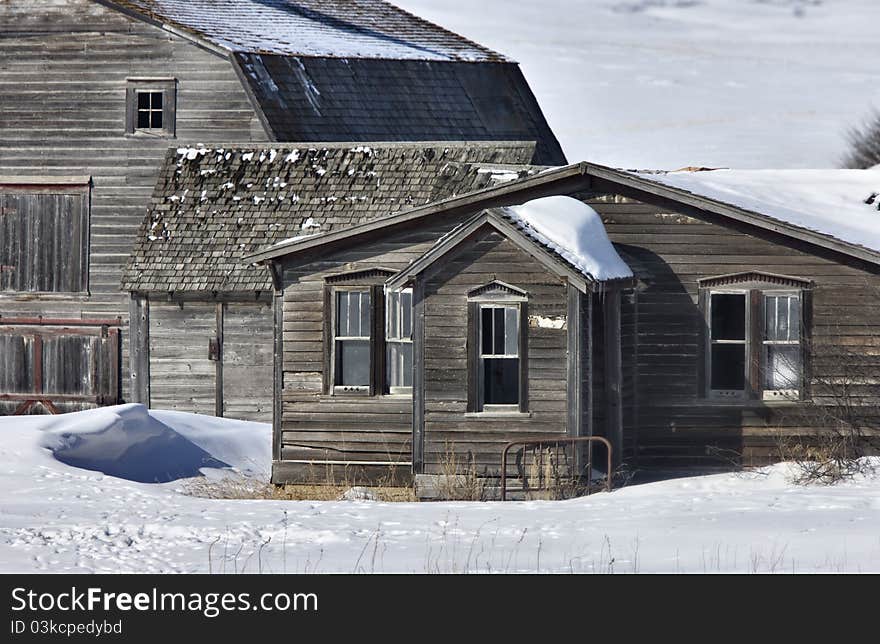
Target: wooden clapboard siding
{"type": "Point", "coordinates": [319, 427]}
{"type": "Point", "coordinates": [182, 377]}
{"type": "Point", "coordinates": [663, 330]}
{"type": "Point", "coordinates": [63, 70]}
{"type": "Point", "coordinates": [247, 361]}
{"type": "Point", "coordinates": [448, 428]}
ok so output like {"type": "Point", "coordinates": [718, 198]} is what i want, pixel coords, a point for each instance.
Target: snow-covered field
{"type": "Point", "coordinates": [664, 84]}
{"type": "Point", "coordinates": [55, 517]}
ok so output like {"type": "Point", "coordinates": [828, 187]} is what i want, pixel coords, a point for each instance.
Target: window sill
{"type": "Point", "coordinates": [151, 134]}
{"type": "Point", "coordinates": [507, 415]}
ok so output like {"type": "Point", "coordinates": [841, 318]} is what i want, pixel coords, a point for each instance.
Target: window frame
{"type": "Point", "coordinates": [354, 390]}
{"type": "Point", "coordinates": [756, 363]}
{"type": "Point", "coordinates": [398, 339]}
{"type": "Point", "coordinates": [139, 85]}
{"type": "Point", "coordinates": [496, 295]}
{"type": "Point", "coordinates": [482, 357]}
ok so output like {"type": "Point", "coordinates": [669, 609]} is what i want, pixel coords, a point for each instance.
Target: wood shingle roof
{"type": "Point", "coordinates": [212, 206]}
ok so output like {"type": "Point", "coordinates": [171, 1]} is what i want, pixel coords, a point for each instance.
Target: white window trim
{"type": "Point", "coordinates": [397, 339]}
{"type": "Point", "coordinates": [482, 406]}
{"type": "Point", "coordinates": [359, 390]}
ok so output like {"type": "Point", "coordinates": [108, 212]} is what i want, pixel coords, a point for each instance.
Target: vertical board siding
{"type": "Point", "coordinates": [247, 361]}
{"type": "Point", "coordinates": [41, 242]}
{"type": "Point", "coordinates": [663, 331]}
{"type": "Point", "coordinates": [63, 70]}
{"type": "Point", "coordinates": [181, 374]}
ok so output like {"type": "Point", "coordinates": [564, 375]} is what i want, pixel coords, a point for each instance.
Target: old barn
{"type": "Point", "coordinates": [751, 317]}
{"type": "Point", "coordinates": [95, 93]}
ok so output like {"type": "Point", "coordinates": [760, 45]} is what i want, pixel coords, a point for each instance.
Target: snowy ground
{"type": "Point", "coordinates": [56, 518]}
{"type": "Point", "coordinates": [664, 84]}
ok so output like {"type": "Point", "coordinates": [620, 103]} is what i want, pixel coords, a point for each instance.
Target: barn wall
{"type": "Point", "coordinates": [247, 361]}
{"type": "Point", "coordinates": [448, 428]}
{"type": "Point", "coordinates": [663, 326]}
{"type": "Point", "coordinates": [63, 65]}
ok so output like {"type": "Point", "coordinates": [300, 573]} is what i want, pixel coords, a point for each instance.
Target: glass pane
{"type": "Point", "coordinates": [343, 315]}
{"type": "Point", "coordinates": [728, 316]}
{"type": "Point", "coordinates": [143, 119]}
{"type": "Point", "coordinates": [794, 318]}
{"type": "Point", "coordinates": [498, 332]}
{"type": "Point", "coordinates": [392, 316]}
{"type": "Point", "coordinates": [399, 365]}
{"type": "Point", "coordinates": [728, 366]}
{"type": "Point", "coordinates": [157, 119]}
{"type": "Point", "coordinates": [156, 100]}
{"type": "Point", "coordinates": [501, 381]}
{"type": "Point", "coordinates": [353, 362]}
{"type": "Point", "coordinates": [511, 331]}
{"type": "Point", "coordinates": [770, 304]}
{"type": "Point", "coordinates": [783, 367]}
{"type": "Point", "coordinates": [782, 325]}
{"type": "Point", "coordinates": [364, 330]}
{"type": "Point", "coordinates": [486, 321]}
{"type": "Point", "coordinates": [143, 99]}
{"type": "Point", "coordinates": [406, 314]}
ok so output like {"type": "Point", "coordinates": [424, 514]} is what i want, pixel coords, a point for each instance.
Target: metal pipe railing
{"type": "Point", "coordinates": [557, 441]}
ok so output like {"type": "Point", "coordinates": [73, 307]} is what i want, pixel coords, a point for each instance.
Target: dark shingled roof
{"type": "Point", "coordinates": [212, 206]}
{"type": "Point", "coordinates": [397, 100]}
{"type": "Point", "coordinates": [343, 28]}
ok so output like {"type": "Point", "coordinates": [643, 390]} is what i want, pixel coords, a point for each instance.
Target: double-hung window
{"type": "Point", "coordinates": [755, 336]}
{"type": "Point", "coordinates": [398, 341]}
{"type": "Point", "coordinates": [352, 339]}
{"type": "Point", "coordinates": [368, 335]}
{"type": "Point", "coordinates": [497, 349]}
{"type": "Point", "coordinates": [499, 356]}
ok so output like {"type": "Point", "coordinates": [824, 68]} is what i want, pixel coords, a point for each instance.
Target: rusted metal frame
{"type": "Point", "coordinates": [557, 441]}
{"type": "Point", "coordinates": [41, 321]}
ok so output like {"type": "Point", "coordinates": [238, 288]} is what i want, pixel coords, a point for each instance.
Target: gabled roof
{"type": "Point", "coordinates": [822, 233]}
{"type": "Point", "coordinates": [337, 28]}
{"type": "Point", "coordinates": [563, 234]}
{"type": "Point", "coordinates": [211, 206]}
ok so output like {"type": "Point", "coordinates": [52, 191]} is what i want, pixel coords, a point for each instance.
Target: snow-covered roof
{"type": "Point", "coordinates": [842, 204]}
{"type": "Point", "coordinates": [573, 231]}
{"type": "Point", "coordinates": [334, 28]}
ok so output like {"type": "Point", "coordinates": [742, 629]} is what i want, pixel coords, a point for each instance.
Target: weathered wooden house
{"type": "Point", "coordinates": [751, 316]}
{"type": "Point", "coordinates": [202, 336]}
{"type": "Point", "coordinates": [96, 91]}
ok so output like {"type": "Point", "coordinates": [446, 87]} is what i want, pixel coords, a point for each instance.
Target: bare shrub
{"type": "Point", "coordinates": [864, 143]}
{"type": "Point", "coordinates": [459, 481]}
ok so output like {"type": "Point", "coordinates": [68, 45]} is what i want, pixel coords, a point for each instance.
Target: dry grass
{"type": "Point", "coordinates": [245, 488]}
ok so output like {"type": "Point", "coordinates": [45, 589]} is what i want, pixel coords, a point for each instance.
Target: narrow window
{"type": "Point", "coordinates": [352, 340]}
{"type": "Point", "coordinates": [398, 341]}
{"type": "Point", "coordinates": [728, 343]}
{"type": "Point", "coordinates": [499, 355]}
{"type": "Point", "coordinates": [149, 110]}
{"type": "Point", "coordinates": [782, 347]}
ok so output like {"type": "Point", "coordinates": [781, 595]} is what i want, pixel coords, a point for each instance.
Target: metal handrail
{"type": "Point", "coordinates": [556, 441]}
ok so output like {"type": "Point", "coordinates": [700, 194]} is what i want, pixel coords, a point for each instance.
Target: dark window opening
{"type": "Point", "coordinates": [499, 354]}
{"type": "Point", "coordinates": [149, 110]}
{"type": "Point", "coordinates": [728, 334]}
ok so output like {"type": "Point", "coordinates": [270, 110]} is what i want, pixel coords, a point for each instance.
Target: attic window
{"type": "Point", "coordinates": [151, 105]}
{"type": "Point", "coordinates": [149, 110]}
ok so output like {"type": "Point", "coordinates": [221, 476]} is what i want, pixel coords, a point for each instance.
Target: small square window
{"type": "Point", "coordinates": [151, 106]}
